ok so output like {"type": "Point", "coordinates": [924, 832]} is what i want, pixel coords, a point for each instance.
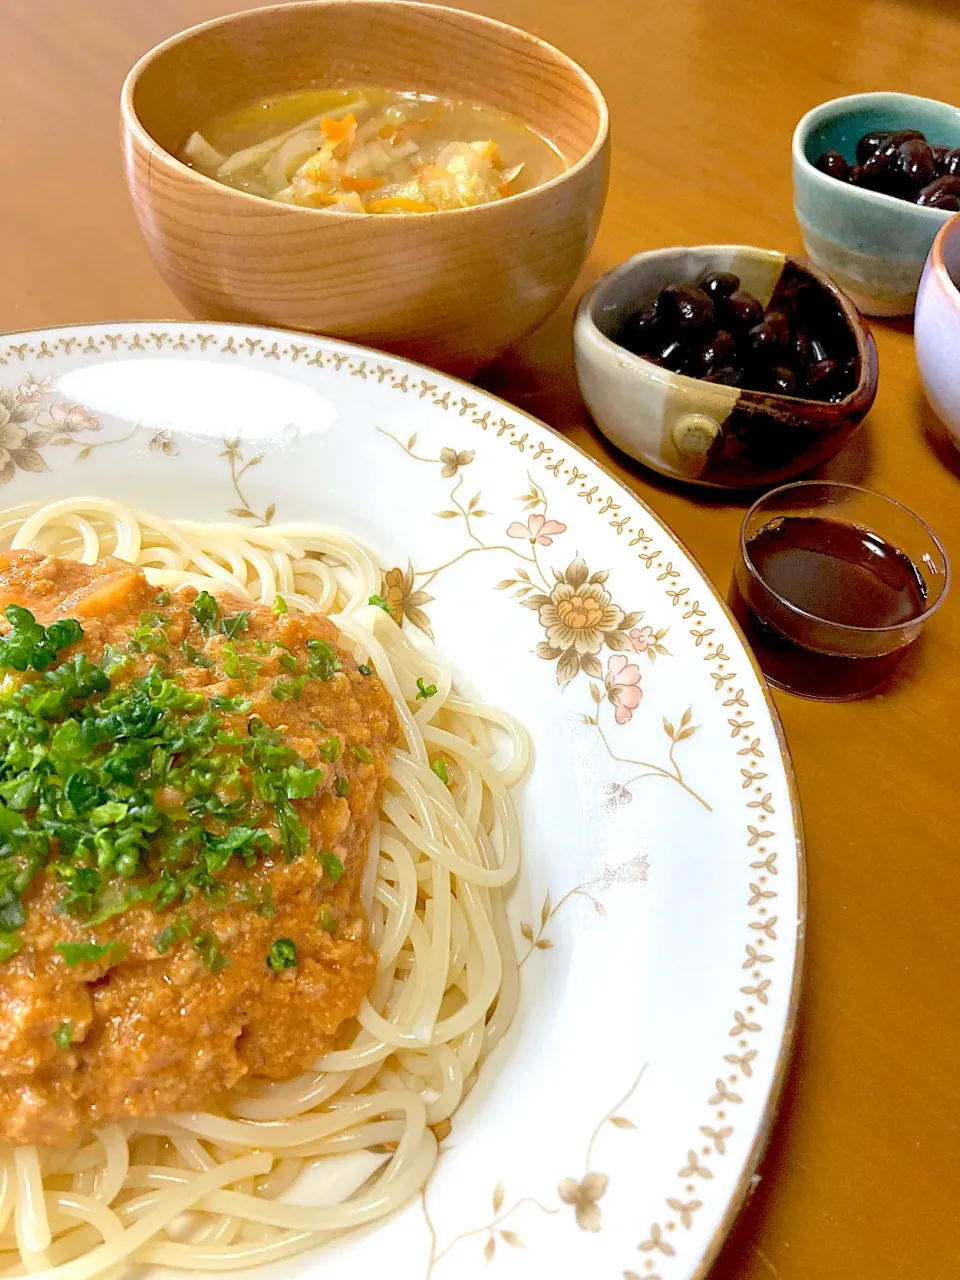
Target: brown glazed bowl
{"type": "Point", "coordinates": [699, 431]}
{"type": "Point", "coordinates": [451, 288]}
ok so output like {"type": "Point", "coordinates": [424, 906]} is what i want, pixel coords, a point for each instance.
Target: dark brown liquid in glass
{"type": "Point", "coordinates": [836, 572]}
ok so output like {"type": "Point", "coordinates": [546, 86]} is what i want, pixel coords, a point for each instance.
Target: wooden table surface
{"type": "Point", "coordinates": [861, 1175]}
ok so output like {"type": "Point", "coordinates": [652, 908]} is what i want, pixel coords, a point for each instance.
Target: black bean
{"type": "Point", "coordinates": [798, 350]}
{"type": "Point", "coordinates": [886, 169]}
{"type": "Point", "coordinates": [914, 165]}
{"type": "Point", "coordinates": [933, 195]}
{"type": "Point", "coordinates": [778, 322]}
{"type": "Point", "coordinates": [784, 380]}
{"type": "Point", "coordinates": [940, 158]}
{"type": "Point", "coordinates": [641, 332]}
{"type": "Point", "coordinates": [833, 164]}
{"type": "Point", "coordinates": [740, 311]}
{"type": "Point", "coordinates": [673, 356]}
{"type": "Point", "coordinates": [877, 173]}
{"type": "Point", "coordinates": [902, 163]}
{"type": "Point", "coordinates": [943, 200]}
{"type": "Point", "coordinates": [728, 376]}
{"type": "Point", "coordinates": [684, 308]}
{"type": "Point", "coordinates": [767, 341]}
{"type": "Point", "coordinates": [719, 284]}
{"type": "Point", "coordinates": [901, 135]}
{"type": "Point", "coordinates": [716, 354]}
{"type": "Point", "coordinates": [822, 378]}
{"type": "Point", "coordinates": [869, 143]}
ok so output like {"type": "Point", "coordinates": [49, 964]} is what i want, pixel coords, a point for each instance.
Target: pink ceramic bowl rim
{"type": "Point", "coordinates": [948, 231]}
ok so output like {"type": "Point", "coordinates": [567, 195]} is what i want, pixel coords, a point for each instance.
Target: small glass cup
{"type": "Point", "coordinates": [802, 619]}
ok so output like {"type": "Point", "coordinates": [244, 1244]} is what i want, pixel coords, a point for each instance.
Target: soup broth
{"type": "Point", "coordinates": [372, 151]}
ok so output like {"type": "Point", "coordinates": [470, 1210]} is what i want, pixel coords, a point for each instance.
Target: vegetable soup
{"type": "Point", "coordinates": [372, 151]}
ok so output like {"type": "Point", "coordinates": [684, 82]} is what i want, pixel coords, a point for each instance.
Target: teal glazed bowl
{"type": "Point", "coordinates": [872, 245]}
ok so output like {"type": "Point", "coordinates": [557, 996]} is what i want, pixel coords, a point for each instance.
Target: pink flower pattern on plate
{"type": "Point", "coordinates": [642, 638]}
{"type": "Point", "coordinates": [623, 687]}
{"type": "Point", "coordinates": [537, 529]}
{"type": "Point", "coordinates": [31, 389]}
{"type": "Point", "coordinates": [68, 418]}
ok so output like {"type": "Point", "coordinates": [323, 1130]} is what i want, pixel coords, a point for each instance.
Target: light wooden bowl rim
{"type": "Point", "coordinates": [132, 123]}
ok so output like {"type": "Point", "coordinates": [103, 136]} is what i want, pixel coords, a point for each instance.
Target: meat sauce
{"type": "Point", "coordinates": [156, 1028]}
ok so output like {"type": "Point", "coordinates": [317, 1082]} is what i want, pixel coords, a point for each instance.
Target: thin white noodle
{"type": "Point", "coordinates": [87, 1209]}
{"type": "Point", "coordinates": [30, 1215]}
{"type": "Point", "coordinates": [110, 1177]}
{"type": "Point", "coordinates": [8, 1189]}
{"type": "Point", "coordinates": [174, 1203]}
{"type": "Point", "coordinates": [200, 1192]}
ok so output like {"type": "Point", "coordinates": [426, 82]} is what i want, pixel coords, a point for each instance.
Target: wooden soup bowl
{"type": "Point", "coordinates": [451, 288]}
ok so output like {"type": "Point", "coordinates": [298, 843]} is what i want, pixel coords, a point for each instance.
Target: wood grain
{"type": "Point", "coordinates": [861, 1174]}
{"type": "Point", "coordinates": [452, 291]}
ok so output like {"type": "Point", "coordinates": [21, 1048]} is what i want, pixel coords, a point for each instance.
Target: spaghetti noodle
{"type": "Point", "coordinates": [208, 1192]}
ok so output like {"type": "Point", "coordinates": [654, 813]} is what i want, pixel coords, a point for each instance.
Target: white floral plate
{"type": "Point", "coordinates": [659, 917]}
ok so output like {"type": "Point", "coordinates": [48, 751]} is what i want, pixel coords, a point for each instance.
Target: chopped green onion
{"type": "Point", "coordinates": [342, 785]}
{"type": "Point", "coordinates": [287, 690]}
{"type": "Point", "coordinates": [109, 814]}
{"type": "Point", "coordinates": [331, 865]}
{"type": "Point", "coordinates": [301, 784]}
{"type": "Point", "coordinates": [12, 914]}
{"type": "Point", "coordinates": [328, 921]}
{"type": "Point", "coordinates": [238, 705]}
{"type": "Point", "coordinates": [205, 611]}
{"type": "Point", "coordinates": [282, 955]}
{"type": "Point", "coordinates": [324, 663]}
{"type": "Point", "coordinates": [63, 1035]}
{"type": "Point", "coordinates": [165, 939]}
{"type": "Point", "coordinates": [280, 605]}
{"type": "Point", "coordinates": [425, 690]}
{"type": "Point", "coordinates": [379, 602]}
{"type": "Point", "coordinates": [439, 767]}
{"type": "Point", "coordinates": [28, 645]}
{"type": "Point", "coordinates": [363, 754]}
{"type": "Point", "coordinates": [207, 946]}
{"type": "Point", "coordinates": [365, 669]}
{"type": "Point", "coordinates": [195, 656]}
{"type": "Point", "coordinates": [236, 625]}
{"type": "Point", "coordinates": [83, 790]}
{"type": "Point", "coordinates": [121, 794]}
{"type": "Point", "coordinates": [113, 659]}
{"type": "Point", "coordinates": [75, 953]}
{"type": "Point", "coordinates": [10, 944]}
{"type": "Point", "coordinates": [330, 749]}
{"type": "Point", "coordinates": [237, 667]}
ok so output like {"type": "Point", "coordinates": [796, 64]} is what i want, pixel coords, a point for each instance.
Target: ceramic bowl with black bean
{"type": "Point", "coordinates": [875, 177]}
{"type": "Point", "coordinates": [725, 365]}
